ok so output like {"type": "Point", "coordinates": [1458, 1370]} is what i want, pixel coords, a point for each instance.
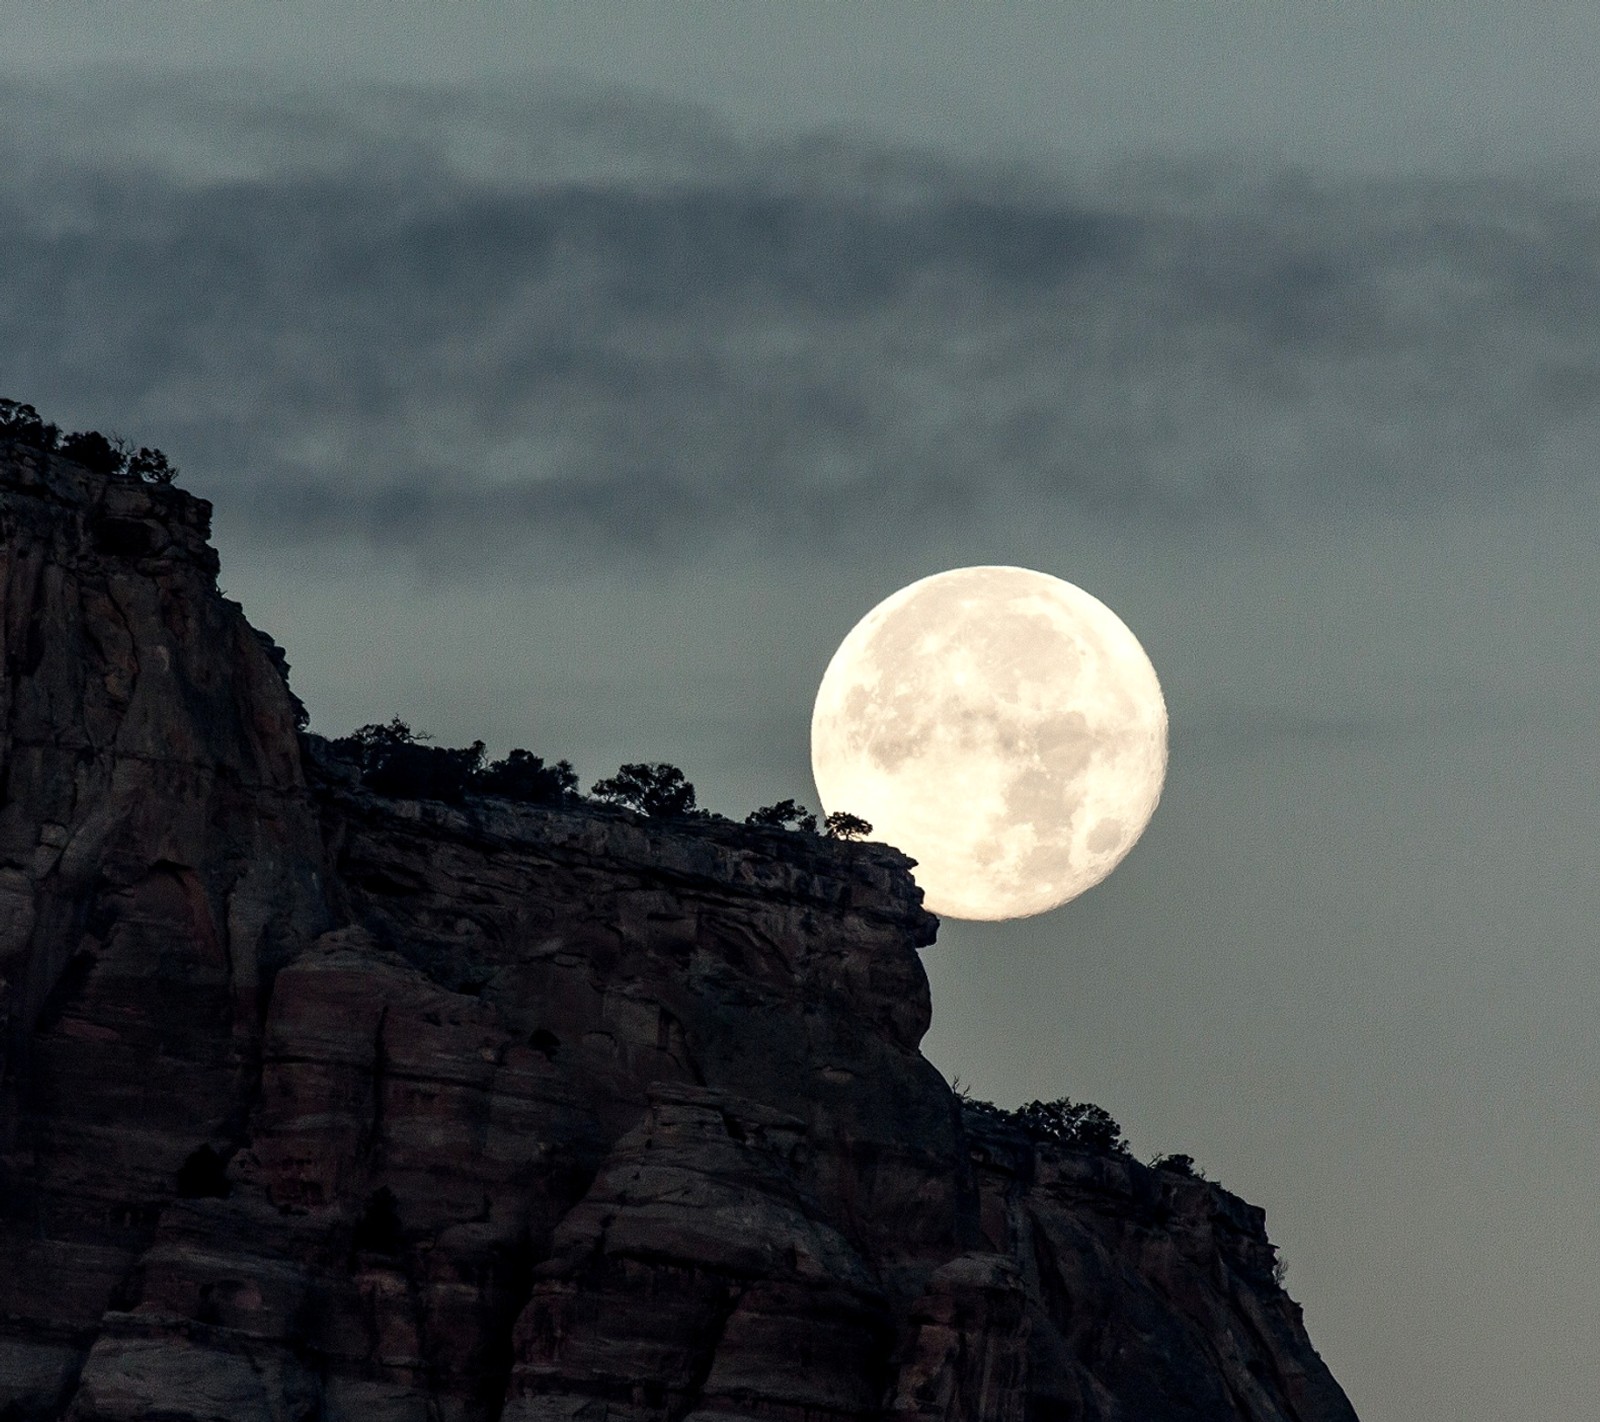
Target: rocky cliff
{"type": "Point", "coordinates": [317, 1105]}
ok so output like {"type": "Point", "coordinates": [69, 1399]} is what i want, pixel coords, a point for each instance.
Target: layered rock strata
{"type": "Point", "coordinates": [316, 1105]}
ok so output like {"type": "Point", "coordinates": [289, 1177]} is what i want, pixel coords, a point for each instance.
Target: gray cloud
{"type": "Point", "coordinates": [437, 323]}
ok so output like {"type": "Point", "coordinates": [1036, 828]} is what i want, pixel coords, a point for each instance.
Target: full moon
{"type": "Point", "coordinates": [1003, 728]}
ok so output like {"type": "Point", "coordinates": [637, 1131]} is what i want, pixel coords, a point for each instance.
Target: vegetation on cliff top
{"type": "Point", "coordinates": [394, 760]}
{"type": "Point", "coordinates": [1078, 1125]}
{"type": "Point", "coordinates": [110, 455]}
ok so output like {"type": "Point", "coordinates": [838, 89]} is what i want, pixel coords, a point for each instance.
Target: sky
{"type": "Point", "coordinates": [575, 377]}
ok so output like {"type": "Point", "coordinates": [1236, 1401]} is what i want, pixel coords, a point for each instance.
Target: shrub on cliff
{"type": "Point", "coordinates": [393, 761]}
{"type": "Point", "coordinates": [841, 825]}
{"type": "Point", "coordinates": [152, 466]}
{"type": "Point", "coordinates": [418, 772]}
{"type": "Point", "coordinates": [784, 815]}
{"type": "Point", "coordinates": [23, 424]}
{"type": "Point", "coordinates": [523, 776]}
{"type": "Point", "coordinates": [367, 746]}
{"type": "Point", "coordinates": [96, 452]}
{"type": "Point", "coordinates": [1079, 1124]}
{"type": "Point", "coordinates": [1178, 1165]}
{"type": "Point", "coordinates": [658, 790]}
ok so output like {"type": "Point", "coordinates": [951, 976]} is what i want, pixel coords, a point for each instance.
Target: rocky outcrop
{"type": "Point", "coordinates": [316, 1105]}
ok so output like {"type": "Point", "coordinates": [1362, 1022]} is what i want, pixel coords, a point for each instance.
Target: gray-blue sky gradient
{"type": "Point", "coordinates": [590, 419]}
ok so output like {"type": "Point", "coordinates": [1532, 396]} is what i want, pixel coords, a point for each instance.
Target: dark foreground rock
{"type": "Point", "coordinates": [315, 1105]}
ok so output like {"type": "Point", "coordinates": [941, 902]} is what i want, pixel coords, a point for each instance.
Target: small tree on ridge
{"type": "Point", "coordinates": [841, 825]}
{"type": "Point", "coordinates": [783, 815]}
{"type": "Point", "coordinates": [94, 452]}
{"type": "Point", "coordinates": [655, 789]}
{"type": "Point", "coordinates": [524, 776]}
{"type": "Point", "coordinates": [152, 466]}
{"type": "Point", "coordinates": [1073, 1123]}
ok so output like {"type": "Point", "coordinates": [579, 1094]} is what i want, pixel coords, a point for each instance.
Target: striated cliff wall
{"type": "Point", "coordinates": [315, 1105]}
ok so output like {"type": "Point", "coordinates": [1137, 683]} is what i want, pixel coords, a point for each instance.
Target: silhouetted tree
{"type": "Point", "coordinates": [16, 418]}
{"type": "Point", "coordinates": [1079, 1124]}
{"type": "Point", "coordinates": [22, 423]}
{"type": "Point", "coordinates": [840, 825]}
{"type": "Point", "coordinates": [152, 466]}
{"type": "Point", "coordinates": [93, 451]}
{"type": "Point", "coordinates": [970, 1102]}
{"type": "Point", "coordinates": [1072, 1123]}
{"type": "Point", "coordinates": [1178, 1165]}
{"type": "Point", "coordinates": [368, 745]}
{"type": "Point", "coordinates": [781, 816]}
{"type": "Point", "coordinates": [418, 772]}
{"type": "Point", "coordinates": [523, 776]}
{"type": "Point", "coordinates": [658, 790]}
{"type": "Point", "coordinates": [100, 454]}
{"type": "Point", "coordinates": [394, 762]}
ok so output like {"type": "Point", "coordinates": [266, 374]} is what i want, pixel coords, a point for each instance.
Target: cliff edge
{"type": "Point", "coordinates": [320, 1105]}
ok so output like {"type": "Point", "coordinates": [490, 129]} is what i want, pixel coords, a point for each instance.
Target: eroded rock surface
{"type": "Point", "coordinates": [315, 1105]}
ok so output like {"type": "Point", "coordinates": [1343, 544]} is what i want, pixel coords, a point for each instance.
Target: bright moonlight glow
{"type": "Point", "coordinates": [1003, 728]}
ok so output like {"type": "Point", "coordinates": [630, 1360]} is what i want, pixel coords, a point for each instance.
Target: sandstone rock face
{"type": "Point", "coordinates": [316, 1105]}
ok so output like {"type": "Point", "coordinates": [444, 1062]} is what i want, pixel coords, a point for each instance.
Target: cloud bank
{"type": "Point", "coordinates": [431, 322]}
